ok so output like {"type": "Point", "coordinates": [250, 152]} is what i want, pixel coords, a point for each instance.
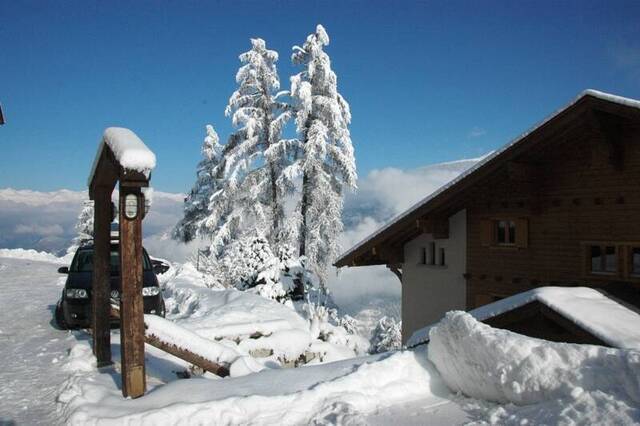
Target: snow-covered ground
{"type": "Point", "coordinates": [469, 373]}
{"type": "Point", "coordinates": [32, 350]}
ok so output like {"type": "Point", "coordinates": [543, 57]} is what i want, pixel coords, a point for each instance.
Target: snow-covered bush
{"type": "Point", "coordinates": [337, 331]}
{"type": "Point", "coordinates": [250, 264]}
{"type": "Point", "coordinates": [387, 335]}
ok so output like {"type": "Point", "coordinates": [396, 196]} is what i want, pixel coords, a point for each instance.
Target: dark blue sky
{"type": "Point", "coordinates": [427, 81]}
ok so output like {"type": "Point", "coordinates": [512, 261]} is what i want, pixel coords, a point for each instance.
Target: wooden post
{"type": "Point", "coordinates": [100, 285]}
{"type": "Point", "coordinates": [131, 302]}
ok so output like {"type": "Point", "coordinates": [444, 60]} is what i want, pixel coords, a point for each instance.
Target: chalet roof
{"type": "Point", "coordinates": [421, 208]}
{"type": "Point", "coordinates": [615, 324]}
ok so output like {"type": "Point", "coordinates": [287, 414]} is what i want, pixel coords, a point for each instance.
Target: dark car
{"type": "Point", "coordinates": [74, 307]}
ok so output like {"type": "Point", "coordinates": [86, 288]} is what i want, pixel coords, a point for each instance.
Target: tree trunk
{"type": "Point", "coordinates": [304, 205]}
{"type": "Point", "coordinates": [275, 208]}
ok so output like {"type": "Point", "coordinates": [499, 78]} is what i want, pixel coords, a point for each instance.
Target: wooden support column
{"type": "Point", "coordinates": [396, 269]}
{"type": "Point", "coordinates": [131, 302]}
{"type": "Point", "coordinates": [100, 285]}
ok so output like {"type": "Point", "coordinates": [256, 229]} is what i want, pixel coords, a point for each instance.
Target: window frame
{"type": "Point", "coordinates": [632, 274]}
{"type": "Point", "coordinates": [431, 255]}
{"type": "Point", "coordinates": [509, 234]}
{"type": "Point", "coordinates": [516, 232]}
{"type": "Point", "coordinates": [603, 259]}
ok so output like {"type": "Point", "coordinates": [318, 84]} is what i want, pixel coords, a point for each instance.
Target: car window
{"type": "Point", "coordinates": [83, 261]}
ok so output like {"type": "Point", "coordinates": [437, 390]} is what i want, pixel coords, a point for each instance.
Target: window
{"type": "Point", "coordinates": [83, 261]}
{"type": "Point", "coordinates": [502, 232]}
{"type": "Point", "coordinates": [432, 255]}
{"type": "Point", "coordinates": [505, 232]}
{"type": "Point", "coordinates": [604, 259]}
{"type": "Point", "coordinates": [431, 260]}
{"type": "Point", "coordinates": [635, 260]}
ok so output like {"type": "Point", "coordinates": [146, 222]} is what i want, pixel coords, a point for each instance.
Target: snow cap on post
{"type": "Point", "coordinates": [128, 150]}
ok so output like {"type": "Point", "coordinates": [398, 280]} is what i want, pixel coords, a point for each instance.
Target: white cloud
{"type": "Point", "coordinates": [44, 230]}
{"type": "Point", "coordinates": [476, 132]}
{"type": "Point", "coordinates": [626, 57]}
{"type": "Point", "coordinates": [45, 221]}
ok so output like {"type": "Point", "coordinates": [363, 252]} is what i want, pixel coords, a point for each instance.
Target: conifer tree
{"type": "Point", "coordinates": [326, 158]}
{"type": "Point", "coordinates": [255, 163]}
{"type": "Point", "coordinates": [209, 180]}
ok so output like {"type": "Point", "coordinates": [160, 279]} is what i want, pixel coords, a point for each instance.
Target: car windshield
{"type": "Point", "coordinates": [83, 261]}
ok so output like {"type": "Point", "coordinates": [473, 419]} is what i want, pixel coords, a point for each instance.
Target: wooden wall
{"type": "Point", "coordinates": [581, 186]}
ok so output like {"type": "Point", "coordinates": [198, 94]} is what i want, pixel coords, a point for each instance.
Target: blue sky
{"type": "Point", "coordinates": [427, 81]}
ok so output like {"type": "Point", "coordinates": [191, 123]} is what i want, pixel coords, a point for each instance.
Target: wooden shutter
{"type": "Point", "coordinates": [522, 233]}
{"type": "Point", "coordinates": [486, 232]}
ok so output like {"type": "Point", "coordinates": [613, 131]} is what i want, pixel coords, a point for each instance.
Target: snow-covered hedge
{"type": "Point", "coordinates": [505, 367]}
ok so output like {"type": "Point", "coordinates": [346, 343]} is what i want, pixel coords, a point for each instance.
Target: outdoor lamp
{"type": "Point", "coordinates": [130, 206]}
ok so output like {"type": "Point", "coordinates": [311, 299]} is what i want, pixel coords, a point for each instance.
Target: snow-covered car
{"type": "Point", "coordinates": [74, 307]}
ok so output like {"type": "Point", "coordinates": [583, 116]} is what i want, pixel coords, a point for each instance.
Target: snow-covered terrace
{"type": "Point", "coordinates": [591, 310]}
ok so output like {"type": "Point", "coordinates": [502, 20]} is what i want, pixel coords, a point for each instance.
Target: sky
{"type": "Point", "coordinates": [427, 81]}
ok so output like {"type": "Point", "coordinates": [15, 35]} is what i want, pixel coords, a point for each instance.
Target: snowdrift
{"type": "Point", "coordinates": [342, 392]}
{"type": "Point", "coordinates": [505, 367]}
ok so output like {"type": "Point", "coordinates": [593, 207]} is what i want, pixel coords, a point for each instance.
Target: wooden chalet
{"type": "Point", "coordinates": [558, 206]}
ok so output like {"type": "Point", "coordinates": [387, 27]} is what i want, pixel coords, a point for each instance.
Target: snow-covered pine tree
{"type": "Point", "coordinates": [209, 181]}
{"type": "Point", "coordinates": [326, 161]}
{"type": "Point", "coordinates": [255, 163]}
{"type": "Point", "coordinates": [84, 227]}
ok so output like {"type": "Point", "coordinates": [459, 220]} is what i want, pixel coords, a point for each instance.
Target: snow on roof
{"type": "Point", "coordinates": [591, 310]}
{"type": "Point", "coordinates": [489, 157]}
{"type": "Point", "coordinates": [130, 152]}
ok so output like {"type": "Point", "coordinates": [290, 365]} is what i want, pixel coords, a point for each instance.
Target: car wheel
{"type": "Point", "coordinates": [162, 311]}
{"type": "Point", "coordinates": [60, 322]}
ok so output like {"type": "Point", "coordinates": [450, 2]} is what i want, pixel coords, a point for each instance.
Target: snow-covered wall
{"type": "Point", "coordinates": [428, 291]}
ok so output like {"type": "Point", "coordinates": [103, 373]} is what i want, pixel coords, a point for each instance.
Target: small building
{"type": "Point", "coordinates": [560, 314]}
{"type": "Point", "coordinates": [558, 206]}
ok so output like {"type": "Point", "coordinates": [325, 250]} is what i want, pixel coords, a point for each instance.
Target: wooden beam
{"type": "Point", "coordinates": [396, 269]}
{"type": "Point", "coordinates": [188, 356]}
{"type": "Point", "coordinates": [100, 286]}
{"type": "Point", "coordinates": [437, 227]}
{"type": "Point", "coordinates": [183, 354]}
{"type": "Point", "coordinates": [106, 172]}
{"type": "Point", "coordinates": [131, 301]}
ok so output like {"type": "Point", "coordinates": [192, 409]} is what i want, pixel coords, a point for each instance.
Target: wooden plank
{"type": "Point", "coordinates": [131, 301]}
{"type": "Point", "coordinates": [188, 356]}
{"type": "Point", "coordinates": [100, 281]}
{"type": "Point", "coordinates": [184, 354]}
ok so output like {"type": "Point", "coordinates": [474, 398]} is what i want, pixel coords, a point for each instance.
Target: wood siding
{"type": "Point", "coordinates": [582, 186]}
